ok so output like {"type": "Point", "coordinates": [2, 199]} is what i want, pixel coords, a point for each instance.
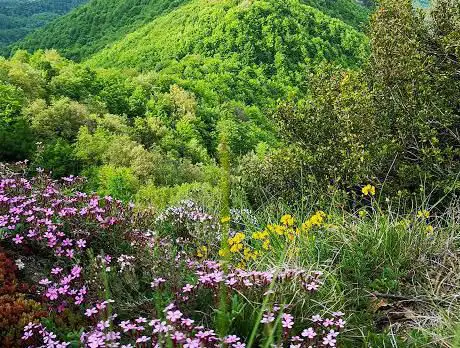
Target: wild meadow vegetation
{"type": "Point", "coordinates": [232, 174]}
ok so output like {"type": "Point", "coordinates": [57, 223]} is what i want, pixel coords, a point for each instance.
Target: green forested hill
{"type": "Point", "coordinates": [278, 39]}
{"type": "Point", "coordinates": [184, 75]}
{"type": "Point", "coordinates": [90, 28]}
{"type": "Point", "coordinates": [20, 17]}
{"type": "Point", "coordinates": [100, 22]}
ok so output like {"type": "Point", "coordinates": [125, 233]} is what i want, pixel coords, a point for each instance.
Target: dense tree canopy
{"type": "Point", "coordinates": [90, 28]}
{"type": "Point", "coordinates": [18, 17]}
{"type": "Point", "coordinates": [151, 105]}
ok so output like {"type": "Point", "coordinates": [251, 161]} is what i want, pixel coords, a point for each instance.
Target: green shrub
{"type": "Point", "coordinates": [62, 118]}
{"type": "Point", "coordinates": [118, 182]}
{"type": "Point", "coordinates": [161, 197]}
{"type": "Point", "coordinates": [58, 157]}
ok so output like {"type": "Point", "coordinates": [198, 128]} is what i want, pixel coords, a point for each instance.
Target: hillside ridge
{"type": "Point", "coordinates": [99, 23]}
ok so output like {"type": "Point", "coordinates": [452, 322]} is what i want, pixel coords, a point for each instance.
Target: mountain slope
{"type": "Point", "coordinates": [272, 34]}
{"type": "Point", "coordinates": [90, 28]}
{"type": "Point", "coordinates": [257, 32]}
{"type": "Point", "coordinates": [250, 51]}
{"type": "Point", "coordinates": [20, 17]}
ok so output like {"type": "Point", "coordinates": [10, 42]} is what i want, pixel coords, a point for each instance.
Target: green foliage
{"type": "Point", "coordinates": [340, 116]}
{"type": "Point", "coordinates": [98, 24]}
{"type": "Point", "coordinates": [62, 118]}
{"type": "Point", "coordinates": [75, 82]}
{"type": "Point", "coordinates": [17, 141]}
{"type": "Point", "coordinates": [11, 103]}
{"type": "Point", "coordinates": [95, 25]}
{"type": "Point", "coordinates": [163, 196]}
{"type": "Point", "coordinates": [417, 100]}
{"type": "Point", "coordinates": [282, 38]}
{"type": "Point", "coordinates": [335, 127]}
{"type": "Point", "coordinates": [278, 174]}
{"type": "Point", "coordinates": [396, 120]}
{"type": "Point", "coordinates": [118, 182]}
{"type": "Point", "coordinates": [351, 12]}
{"type": "Point", "coordinates": [15, 134]}
{"type": "Point", "coordinates": [57, 155]}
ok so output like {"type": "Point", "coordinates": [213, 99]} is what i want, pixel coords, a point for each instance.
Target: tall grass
{"type": "Point", "coordinates": [396, 273]}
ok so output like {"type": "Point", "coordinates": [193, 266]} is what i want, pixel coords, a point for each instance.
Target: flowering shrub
{"type": "Point", "coordinates": [65, 226]}
{"type": "Point", "coordinates": [188, 219]}
{"type": "Point", "coordinates": [172, 324]}
{"type": "Point", "coordinates": [243, 249]}
{"type": "Point", "coordinates": [106, 273]}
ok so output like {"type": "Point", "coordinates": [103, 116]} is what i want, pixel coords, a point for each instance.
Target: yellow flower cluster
{"type": "Point", "coordinates": [236, 243]}
{"type": "Point", "coordinates": [287, 220]}
{"type": "Point", "coordinates": [263, 236]}
{"type": "Point", "coordinates": [251, 254]}
{"type": "Point", "coordinates": [316, 220]}
{"type": "Point", "coordinates": [238, 251]}
{"type": "Point", "coordinates": [242, 249]}
{"type": "Point", "coordinates": [202, 251]}
{"type": "Point", "coordinates": [368, 190]}
{"type": "Point", "coordinates": [423, 214]}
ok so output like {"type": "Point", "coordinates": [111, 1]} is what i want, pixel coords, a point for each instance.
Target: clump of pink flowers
{"type": "Point", "coordinates": [84, 237]}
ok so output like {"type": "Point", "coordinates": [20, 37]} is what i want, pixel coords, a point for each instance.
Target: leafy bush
{"type": "Point", "coordinates": [280, 174]}
{"type": "Point", "coordinates": [162, 197]}
{"type": "Point", "coordinates": [119, 182]}
{"type": "Point", "coordinates": [63, 118]}
{"type": "Point", "coordinates": [17, 309]}
{"type": "Point", "coordinates": [58, 156]}
{"type": "Point", "coordinates": [76, 280]}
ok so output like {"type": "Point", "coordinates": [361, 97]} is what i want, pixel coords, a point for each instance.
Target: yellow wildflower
{"type": "Point", "coordinates": [278, 229]}
{"type": "Point", "coordinates": [266, 244]}
{"type": "Point", "coordinates": [368, 190]}
{"type": "Point", "coordinates": [239, 237]}
{"type": "Point", "coordinates": [236, 247]}
{"type": "Point", "coordinates": [306, 225]}
{"type": "Point", "coordinates": [225, 219]}
{"type": "Point", "coordinates": [202, 251]}
{"type": "Point", "coordinates": [362, 213]}
{"type": "Point", "coordinates": [429, 229]}
{"type": "Point", "coordinates": [287, 220]}
{"type": "Point", "coordinates": [248, 254]}
{"type": "Point", "coordinates": [223, 252]}
{"type": "Point", "coordinates": [423, 214]}
{"type": "Point", "coordinates": [316, 219]}
{"type": "Point", "coordinates": [260, 235]}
